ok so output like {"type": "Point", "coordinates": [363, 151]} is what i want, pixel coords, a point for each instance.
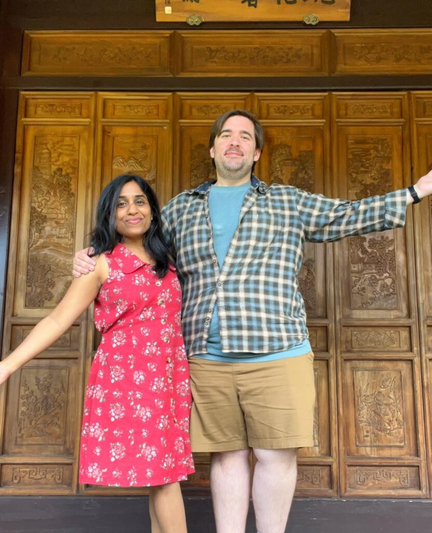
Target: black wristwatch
{"type": "Point", "coordinates": [414, 194]}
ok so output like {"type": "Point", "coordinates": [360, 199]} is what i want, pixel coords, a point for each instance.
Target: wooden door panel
{"type": "Point", "coordinates": [379, 363]}
{"type": "Point", "coordinates": [370, 163]}
{"type": "Point", "coordinates": [297, 153]}
{"type": "Point", "coordinates": [379, 396]}
{"type": "Point", "coordinates": [134, 136]}
{"type": "Point", "coordinates": [41, 405]}
{"type": "Point", "coordinates": [294, 156]}
{"type": "Point", "coordinates": [195, 114]}
{"type": "Point", "coordinates": [421, 123]}
{"type": "Point", "coordinates": [55, 157]}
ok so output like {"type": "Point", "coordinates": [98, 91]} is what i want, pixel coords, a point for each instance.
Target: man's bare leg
{"type": "Point", "coordinates": [273, 487]}
{"type": "Point", "coordinates": [230, 488]}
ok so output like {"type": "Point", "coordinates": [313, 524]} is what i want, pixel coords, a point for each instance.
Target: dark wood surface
{"type": "Point", "coordinates": [117, 515]}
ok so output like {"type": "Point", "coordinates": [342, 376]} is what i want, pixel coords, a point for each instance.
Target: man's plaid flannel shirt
{"type": "Point", "coordinates": [260, 307]}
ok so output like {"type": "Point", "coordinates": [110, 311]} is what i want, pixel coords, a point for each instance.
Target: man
{"type": "Point", "coordinates": [239, 250]}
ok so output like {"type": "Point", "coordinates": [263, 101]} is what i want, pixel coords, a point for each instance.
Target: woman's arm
{"type": "Point", "coordinates": [79, 296]}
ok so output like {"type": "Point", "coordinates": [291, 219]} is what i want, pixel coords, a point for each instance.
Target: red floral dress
{"type": "Point", "coordinates": [136, 414]}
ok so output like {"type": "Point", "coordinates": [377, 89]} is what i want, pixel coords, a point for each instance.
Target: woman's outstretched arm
{"type": "Point", "coordinates": [79, 296]}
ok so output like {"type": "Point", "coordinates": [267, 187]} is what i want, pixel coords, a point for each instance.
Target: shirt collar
{"type": "Point", "coordinates": [256, 184]}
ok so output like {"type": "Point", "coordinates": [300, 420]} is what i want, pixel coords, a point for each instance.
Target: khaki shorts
{"type": "Point", "coordinates": [258, 405]}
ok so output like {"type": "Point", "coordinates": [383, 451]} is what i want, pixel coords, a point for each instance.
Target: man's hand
{"type": "Point", "coordinates": [4, 372]}
{"type": "Point", "coordinates": [82, 263]}
{"type": "Point", "coordinates": [424, 185]}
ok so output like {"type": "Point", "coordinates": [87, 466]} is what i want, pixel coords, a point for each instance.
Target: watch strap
{"type": "Point", "coordinates": [414, 194]}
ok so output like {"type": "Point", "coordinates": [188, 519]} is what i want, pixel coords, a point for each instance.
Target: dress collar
{"type": "Point", "coordinates": [127, 261]}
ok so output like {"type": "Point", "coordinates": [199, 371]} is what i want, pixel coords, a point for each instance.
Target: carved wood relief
{"type": "Point", "coordinates": [40, 477]}
{"type": "Point", "coordinates": [135, 133]}
{"type": "Point", "coordinates": [269, 53]}
{"type": "Point", "coordinates": [379, 396]}
{"type": "Point", "coordinates": [379, 360]}
{"type": "Point", "coordinates": [383, 51]}
{"type": "Point", "coordinates": [43, 406]}
{"type": "Point", "coordinates": [102, 53]}
{"type": "Point", "coordinates": [228, 53]}
{"type": "Point", "coordinates": [403, 481]}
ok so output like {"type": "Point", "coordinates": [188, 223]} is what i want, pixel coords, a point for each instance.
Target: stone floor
{"type": "Point", "coordinates": [130, 515]}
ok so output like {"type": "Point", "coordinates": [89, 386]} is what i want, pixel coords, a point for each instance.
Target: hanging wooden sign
{"type": "Point", "coordinates": [197, 11]}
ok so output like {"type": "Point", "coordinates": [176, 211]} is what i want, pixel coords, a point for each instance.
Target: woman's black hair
{"type": "Point", "coordinates": [105, 236]}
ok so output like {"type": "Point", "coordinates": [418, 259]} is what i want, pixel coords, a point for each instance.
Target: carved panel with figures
{"type": "Point", "coordinates": [134, 133]}
{"type": "Point", "coordinates": [43, 405]}
{"type": "Point", "coordinates": [379, 398]}
{"type": "Point", "coordinates": [370, 161]}
{"type": "Point", "coordinates": [55, 167]}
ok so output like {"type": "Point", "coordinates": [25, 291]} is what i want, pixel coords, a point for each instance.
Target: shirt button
{"type": "Point", "coordinates": [207, 322]}
{"type": "Point", "coordinates": [219, 284]}
{"type": "Point", "coordinates": [214, 261]}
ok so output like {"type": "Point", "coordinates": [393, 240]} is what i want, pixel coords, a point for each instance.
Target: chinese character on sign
{"type": "Point", "coordinates": [325, 2]}
{"type": "Point", "coordinates": [250, 3]}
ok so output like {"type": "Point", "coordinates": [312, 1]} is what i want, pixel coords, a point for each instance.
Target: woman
{"type": "Point", "coordinates": [136, 414]}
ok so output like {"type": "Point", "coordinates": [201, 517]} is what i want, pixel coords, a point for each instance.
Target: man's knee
{"type": "Point", "coordinates": [232, 458]}
{"type": "Point", "coordinates": [285, 457]}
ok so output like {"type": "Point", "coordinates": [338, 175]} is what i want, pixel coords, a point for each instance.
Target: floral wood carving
{"type": "Point", "coordinates": [258, 55]}
{"type": "Point", "coordinates": [383, 53]}
{"type": "Point", "coordinates": [379, 340]}
{"type": "Point", "coordinates": [102, 54]}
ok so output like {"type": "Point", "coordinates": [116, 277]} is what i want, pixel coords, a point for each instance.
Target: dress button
{"type": "Point", "coordinates": [169, 379]}
{"type": "Point", "coordinates": [168, 359]}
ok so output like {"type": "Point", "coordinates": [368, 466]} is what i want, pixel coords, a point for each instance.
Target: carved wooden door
{"type": "Point", "coordinates": [382, 447]}
{"type": "Point", "coordinates": [369, 309]}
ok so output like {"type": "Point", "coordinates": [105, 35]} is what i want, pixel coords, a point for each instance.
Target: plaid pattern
{"type": "Point", "coordinates": [260, 307]}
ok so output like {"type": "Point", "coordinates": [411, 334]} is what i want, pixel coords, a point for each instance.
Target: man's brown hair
{"type": "Point", "coordinates": [220, 121]}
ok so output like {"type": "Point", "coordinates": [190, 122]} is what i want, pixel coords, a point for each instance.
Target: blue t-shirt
{"type": "Point", "coordinates": [225, 204]}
